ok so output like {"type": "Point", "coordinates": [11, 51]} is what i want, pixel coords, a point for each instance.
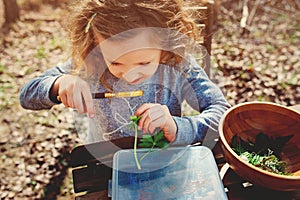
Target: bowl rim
{"type": "Point", "coordinates": [236, 156]}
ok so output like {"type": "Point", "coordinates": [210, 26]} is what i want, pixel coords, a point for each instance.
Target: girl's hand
{"type": "Point", "coordinates": [156, 116]}
{"type": "Point", "coordinates": [74, 93]}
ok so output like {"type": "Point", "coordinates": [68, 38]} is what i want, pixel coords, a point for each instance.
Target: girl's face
{"type": "Point", "coordinates": [133, 60]}
{"type": "Point", "coordinates": [136, 66]}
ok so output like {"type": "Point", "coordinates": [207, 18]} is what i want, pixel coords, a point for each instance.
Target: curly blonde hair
{"type": "Point", "coordinates": [116, 16]}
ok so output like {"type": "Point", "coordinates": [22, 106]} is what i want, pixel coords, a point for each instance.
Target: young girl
{"type": "Point", "coordinates": [132, 45]}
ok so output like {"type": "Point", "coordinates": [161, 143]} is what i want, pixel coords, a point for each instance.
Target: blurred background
{"type": "Point", "coordinates": [255, 56]}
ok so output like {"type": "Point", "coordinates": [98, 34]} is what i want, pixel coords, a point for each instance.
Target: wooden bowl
{"type": "Point", "coordinates": [246, 120]}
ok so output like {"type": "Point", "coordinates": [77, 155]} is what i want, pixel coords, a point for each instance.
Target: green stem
{"type": "Point", "coordinates": [147, 152]}
{"type": "Point", "coordinates": [135, 147]}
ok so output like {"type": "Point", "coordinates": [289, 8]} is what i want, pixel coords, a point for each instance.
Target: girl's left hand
{"type": "Point", "coordinates": [156, 116]}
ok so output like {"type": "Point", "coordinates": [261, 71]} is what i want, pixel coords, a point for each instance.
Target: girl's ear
{"type": "Point", "coordinates": [169, 58]}
{"type": "Point", "coordinates": [163, 57]}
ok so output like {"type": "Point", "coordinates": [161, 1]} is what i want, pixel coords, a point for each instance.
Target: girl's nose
{"type": "Point", "coordinates": [132, 74]}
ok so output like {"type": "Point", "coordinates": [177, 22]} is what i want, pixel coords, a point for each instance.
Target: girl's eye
{"type": "Point", "coordinates": [145, 63]}
{"type": "Point", "coordinates": [118, 64]}
{"type": "Point", "coordinates": [115, 64]}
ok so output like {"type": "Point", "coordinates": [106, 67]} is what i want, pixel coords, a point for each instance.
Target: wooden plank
{"type": "Point", "coordinates": [91, 178]}
{"type": "Point", "coordinates": [204, 17]}
{"type": "Point", "coordinates": [102, 195]}
{"type": "Point", "coordinates": [100, 151]}
{"type": "Point", "coordinates": [256, 192]}
{"type": "Point", "coordinates": [103, 151]}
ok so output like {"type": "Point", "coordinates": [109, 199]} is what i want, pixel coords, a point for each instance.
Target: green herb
{"type": "Point", "coordinates": [147, 141]}
{"type": "Point", "coordinates": [263, 153]}
{"type": "Point", "coordinates": [135, 120]}
{"type": "Point", "coordinates": [151, 142]}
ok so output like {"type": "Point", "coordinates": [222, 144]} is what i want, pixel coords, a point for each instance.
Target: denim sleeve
{"type": "Point", "coordinates": [207, 98]}
{"type": "Point", "coordinates": [34, 95]}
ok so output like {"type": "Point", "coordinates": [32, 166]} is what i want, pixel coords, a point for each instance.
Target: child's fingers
{"type": "Point", "coordinates": [69, 98]}
{"type": "Point", "coordinates": [145, 123]}
{"type": "Point", "coordinates": [142, 109]}
{"type": "Point", "coordinates": [78, 103]}
{"type": "Point", "coordinates": [88, 102]}
{"type": "Point", "coordinates": [150, 126]}
{"type": "Point", "coordinates": [64, 99]}
{"type": "Point", "coordinates": [156, 124]}
{"type": "Point", "coordinates": [157, 119]}
{"type": "Point", "coordinates": [157, 116]}
{"type": "Point", "coordinates": [156, 112]}
{"type": "Point", "coordinates": [152, 118]}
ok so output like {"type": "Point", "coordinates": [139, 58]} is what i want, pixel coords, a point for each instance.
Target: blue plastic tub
{"type": "Point", "coordinates": [174, 173]}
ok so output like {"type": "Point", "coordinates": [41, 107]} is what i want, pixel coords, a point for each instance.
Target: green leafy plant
{"type": "Point", "coordinates": [264, 153]}
{"type": "Point", "coordinates": [155, 141]}
{"type": "Point", "coordinates": [147, 141]}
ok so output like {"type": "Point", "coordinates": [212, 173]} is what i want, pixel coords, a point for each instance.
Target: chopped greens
{"type": "Point", "coordinates": [264, 153]}
{"type": "Point", "coordinates": [147, 141]}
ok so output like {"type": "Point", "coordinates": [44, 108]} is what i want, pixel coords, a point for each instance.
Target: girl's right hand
{"type": "Point", "coordinates": [74, 93]}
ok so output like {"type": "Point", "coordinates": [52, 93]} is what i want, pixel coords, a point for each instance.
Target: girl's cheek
{"type": "Point", "coordinates": [116, 73]}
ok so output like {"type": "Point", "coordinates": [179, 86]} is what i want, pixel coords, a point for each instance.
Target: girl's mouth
{"type": "Point", "coordinates": [136, 81]}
